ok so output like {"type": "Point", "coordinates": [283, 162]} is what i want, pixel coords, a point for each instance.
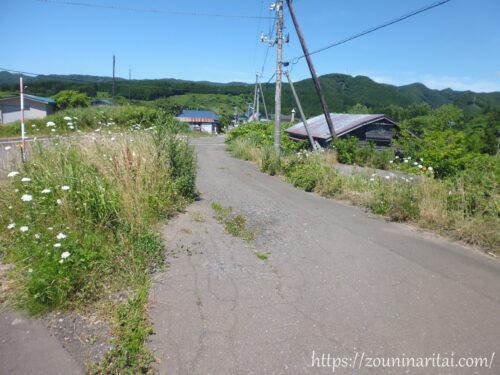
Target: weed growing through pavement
{"type": "Point", "coordinates": [235, 224]}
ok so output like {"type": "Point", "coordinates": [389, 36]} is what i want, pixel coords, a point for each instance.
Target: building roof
{"type": "Point", "coordinates": [189, 113]}
{"type": "Point", "coordinates": [342, 123]}
{"type": "Point", "coordinates": [40, 99]}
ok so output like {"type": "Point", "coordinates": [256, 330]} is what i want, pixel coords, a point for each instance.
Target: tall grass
{"type": "Point", "coordinates": [78, 223]}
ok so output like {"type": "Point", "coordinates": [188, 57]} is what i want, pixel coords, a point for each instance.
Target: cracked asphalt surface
{"type": "Point", "coordinates": [336, 281]}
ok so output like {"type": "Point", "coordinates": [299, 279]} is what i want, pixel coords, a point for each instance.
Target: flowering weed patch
{"type": "Point", "coordinates": [77, 221]}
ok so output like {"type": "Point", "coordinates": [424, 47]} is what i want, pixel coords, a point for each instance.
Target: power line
{"type": "Point", "coordinates": [375, 28]}
{"type": "Point", "coordinates": [150, 10]}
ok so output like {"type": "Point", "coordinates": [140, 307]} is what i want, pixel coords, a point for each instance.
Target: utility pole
{"type": "Point", "coordinates": [263, 99]}
{"type": "Point", "coordinates": [129, 77]}
{"type": "Point", "coordinates": [114, 81]}
{"type": "Point", "coordinates": [257, 112]}
{"type": "Point", "coordinates": [255, 96]}
{"type": "Point", "coordinates": [23, 126]}
{"type": "Point", "coordinates": [299, 106]}
{"type": "Point", "coordinates": [317, 85]}
{"type": "Point", "coordinates": [279, 70]}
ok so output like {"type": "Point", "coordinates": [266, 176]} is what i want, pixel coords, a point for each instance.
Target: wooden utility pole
{"type": "Point", "coordinates": [255, 96]}
{"type": "Point", "coordinates": [279, 69]}
{"type": "Point", "coordinates": [299, 106]}
{"type": "Point", "coordinates": [263, 99]}
{"type": "Point", "coordinates": [129, 77]}
{"type": "Point", "coordinates": [114, 81]}
{"type": "Point", "coordinates": [317, 85]}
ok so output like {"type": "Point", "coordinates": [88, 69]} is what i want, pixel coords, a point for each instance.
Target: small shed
{"type": "Point", "coordinates": [34, 107]}
{"type": "Point", "coordinates": [376, 128]}
{"type": "Point", "coordinates": [204, 121]}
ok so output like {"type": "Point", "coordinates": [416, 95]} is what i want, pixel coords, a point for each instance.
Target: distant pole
{"type": "Point", "coordinates": [114, 81]}
{"type": "Point", "coordinates": [23, 126]}
{"type": "Point", "coordinates": [255, 96]}
{"type": "Point", "coordinates": [279, 70]}
{"type": "Point", "coordinates": [299, 106]}
{"type": "Point", "coordinates": [263, 99]}
{"type": "Point", "coordinates": [317, 85]}
{"type": "Point", "coordinates": [129, 77]}
{"type": "Point", "coordinates": [257, 112]}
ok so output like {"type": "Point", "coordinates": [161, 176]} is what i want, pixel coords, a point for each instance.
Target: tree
{"type": "Point", "coordinates": [71, 98]}
{"type": "Point", "coordinates": [359, 109]}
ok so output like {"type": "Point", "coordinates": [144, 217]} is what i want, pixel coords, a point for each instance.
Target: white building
{"type": "Point", "coordinates": [34, 107]}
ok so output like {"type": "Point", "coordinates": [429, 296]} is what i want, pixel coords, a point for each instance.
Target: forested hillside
{"type": "Point", "coordinates": [342, 92]}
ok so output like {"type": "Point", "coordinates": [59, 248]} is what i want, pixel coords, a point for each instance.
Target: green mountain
{"type": "Point", "coordinates": [341, 91]}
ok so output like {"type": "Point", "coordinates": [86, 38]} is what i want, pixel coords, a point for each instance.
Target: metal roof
{"type": "Point", "coordinates": [342, 123]}
{"type": "Point", "coordinates": [40, 99]}
{"type": "Point", "coordinates": [198, 114]}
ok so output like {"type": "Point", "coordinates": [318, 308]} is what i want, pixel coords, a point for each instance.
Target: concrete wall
{"type": "Point", "coordinates": [10, 110]}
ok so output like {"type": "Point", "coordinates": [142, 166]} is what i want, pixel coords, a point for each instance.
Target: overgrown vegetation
{"type": "Point", "coordinates": [234, 224]}
{"type": "Point", "coordinates": [101, 119]}
{"type": "Point", "coordinates": [78, 220]}
{"type": "Point", "coordinates": [463, 202]}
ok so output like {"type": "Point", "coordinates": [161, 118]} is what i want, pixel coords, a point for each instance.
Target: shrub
{"type": "Point", "coordinates": [71, 98]}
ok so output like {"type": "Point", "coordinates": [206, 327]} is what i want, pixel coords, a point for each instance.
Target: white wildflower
{"type": "Point", "coordinates": [67, 118]}
{"type": "Point", "coordinates": [37, 236]}
{"type": "Point", "coordinates": [387, 177]}
{"type": "Point", "coordinates": [52, 130]}
{"type": "Point", "coordinates": [430, 169]}
{"type": "Point", "coordinates": [65, 254]}
{"type": "Point", "coordinates": [24, 229]}
{"type": "Point", "coordinates": [391, 161]}
{"type": "Point", "coordinates": [415, 163]}
{"type": "Point", "coordinates": [30, 270]}
{"type": "Point", "coordinates": [59, 202]}
{"type": "Point", "coordinates": [46, 191]}
{"type": "Point", "coordinates": [69, 124]}
{"type": "Point", "coordinates": [57, 244]}
{"type": "Point", "coordinates": [11, 226]}
{"type": "Point", "coordinates": [25, 179]}
{"type": "Point", "coordinates": [13, 174]}
{"type": "Point", "coordinates": [420, 166]}
{"type": "Point", "coordinates": [61, 261]}
{"type": "Point", "coordinates": [65, 187]}
{"type": "Point", "coordinates": [27, 198]}
{"type": "Point", "coordinates": [372, 179]}
{"type": "Point", "coordinates": [50, 228]}
{"type": "Point", "coordinates": [61, 236]}
{"type": "Point", "coordinates": [50, 124]}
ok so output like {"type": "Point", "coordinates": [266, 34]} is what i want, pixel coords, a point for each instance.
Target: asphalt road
{"type": "Point", "coordinates": [337, 281]}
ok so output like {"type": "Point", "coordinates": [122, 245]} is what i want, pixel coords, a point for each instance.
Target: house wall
{"type": "Point", "coordinates": [10, 110]}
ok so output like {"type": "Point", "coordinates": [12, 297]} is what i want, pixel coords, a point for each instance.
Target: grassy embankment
{"type": "Point", "coordinates": [79, 224]}
{"type": "Point", "coordinates": [465, 206]}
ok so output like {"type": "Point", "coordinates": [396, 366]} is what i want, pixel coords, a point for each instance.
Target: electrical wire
{"type": "Point", "coordinates": [295, 60]}
{"type": "Point", "coordinates": [149, 10]}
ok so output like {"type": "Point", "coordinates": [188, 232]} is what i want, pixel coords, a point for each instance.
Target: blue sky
{"type": "Point", "coordinates": [456, 45]}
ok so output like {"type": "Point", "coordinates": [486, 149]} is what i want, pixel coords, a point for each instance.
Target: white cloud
{"type": "Point", "coordinates": [460, 83]}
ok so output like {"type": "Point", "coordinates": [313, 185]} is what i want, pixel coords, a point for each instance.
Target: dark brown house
{"type": "Point", "coordinates": [378, 128]}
